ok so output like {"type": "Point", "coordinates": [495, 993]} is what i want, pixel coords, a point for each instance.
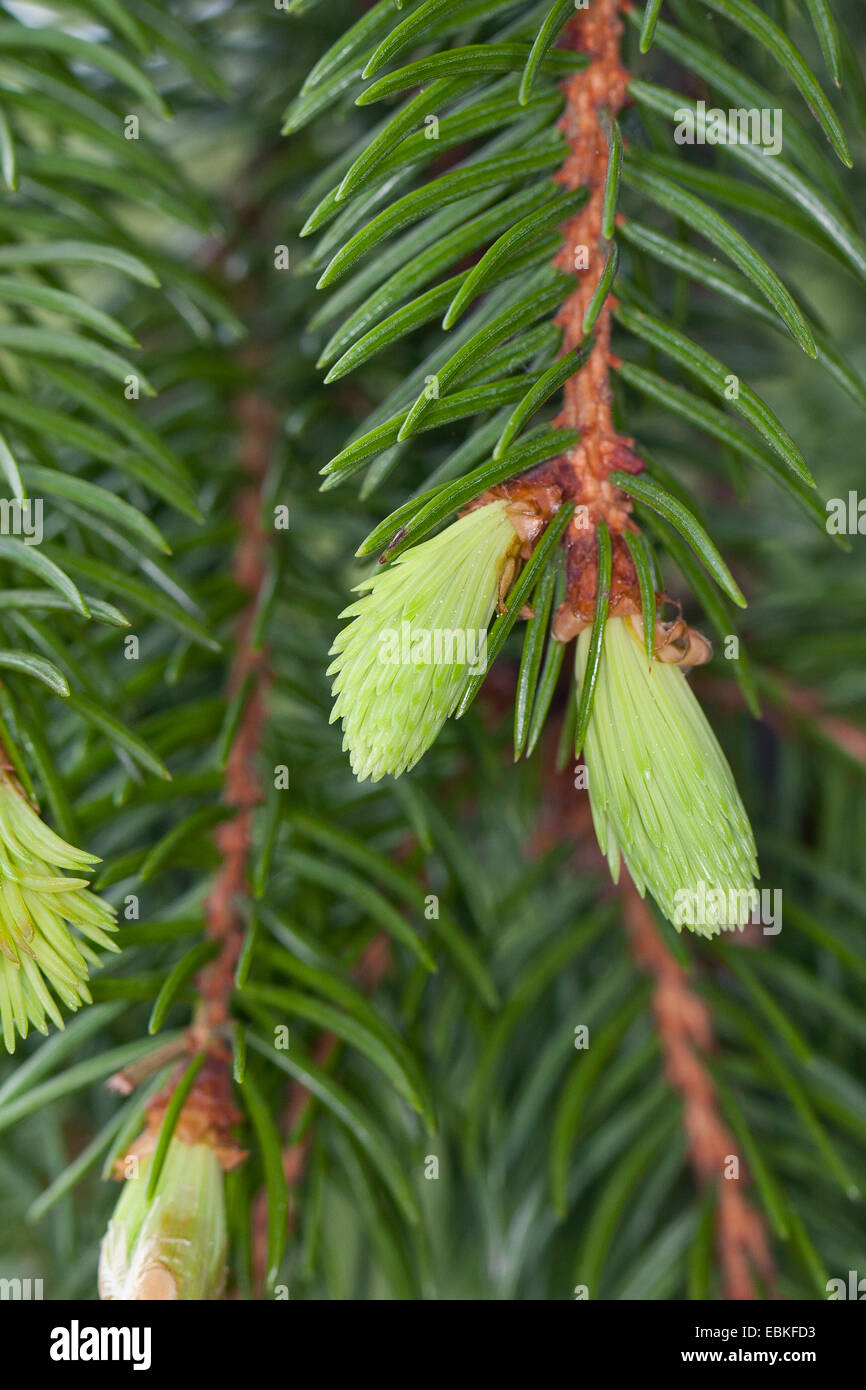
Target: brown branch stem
{"type": "Point", "coordinates": [593, 97]}
{"type": "Point", "coordinates": [242, 790]}
{"type": "Point", "coordinates": [685, 1030]}
{"type": "Point", "coordinates": [369, 971]}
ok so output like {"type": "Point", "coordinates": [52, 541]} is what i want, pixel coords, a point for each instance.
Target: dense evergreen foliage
{"type": "Point", "coordinates": [178, 178]}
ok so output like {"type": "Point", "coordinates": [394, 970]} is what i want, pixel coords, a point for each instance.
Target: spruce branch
{"type": "Point", "coordinates": [685, 1029]}
{"type": "Point", "coordinates": [593, 99]}
{"type": "Point", "coordinates": [248, 681]}
{"type": "Point", "coordinates": [370, 969]}
{"type": "Point", "coordinates": [435, 945]}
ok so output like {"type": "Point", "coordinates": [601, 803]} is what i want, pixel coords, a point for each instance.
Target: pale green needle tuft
{"type": "Point", "coordinates": [661, 791]}
{"type": "Point", "coordinates": [41, 959]}
{"type": "Point", "coordinates": [416, 637]}
{"type": "Point", "coordinates": [172, 1246]}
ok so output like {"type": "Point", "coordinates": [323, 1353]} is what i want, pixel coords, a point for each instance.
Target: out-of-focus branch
{"type": "Point", "coordinates": [686, 1031]}
{"type": "Point", "coordinates": [242, 791]}
{"type": "Point", "coordinates": [796, 705]}
{"type": "Point", "coordinates": [369, 971]}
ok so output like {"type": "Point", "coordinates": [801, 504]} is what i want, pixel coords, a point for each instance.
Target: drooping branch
{"type": "Point", "coordinates": [369, 971]}
{"type": "Point", "coordinates": [792, 706]}
{"type": "Point", "coordinates": [209, 1114]}
{"type": "Point", "coordinates": [593, 97]}
{"type": "Point", "coordinates": [685, 1030]}
{"type": "Point", "coordinates": [242, 791]}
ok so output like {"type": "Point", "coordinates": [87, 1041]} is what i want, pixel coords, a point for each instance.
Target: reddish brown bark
{"type": "Point", "coordinates": [686, 1031]}
{"type": "Point", "coordinates": [369, 971]}
{"type": "Point", "coordinates": [209, 1116]}
{"type": "Point", "coordinates": [242, 791]}
{"type": "Point", "coordinates": [582, 475]}
{"type": "Point", "coordinates": [684, 1025]}
{"type": "Point", "coordinates": [795, 704]}
{"type": "Point", "coordinates": [599, 88]}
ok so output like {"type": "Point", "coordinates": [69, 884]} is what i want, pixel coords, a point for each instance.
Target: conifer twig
{"type": "Point", "coordinates": [369, 971]}
{"type": "Point", "coordinates": [685, 1030]}
{"type": "Point", "coordinates": [242, 789]}
{"type": "Point", "coordinates": [593, 97]}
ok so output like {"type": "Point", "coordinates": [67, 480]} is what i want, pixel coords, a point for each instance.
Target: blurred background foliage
{"type": "Point", "coordinates": [556, 1167]}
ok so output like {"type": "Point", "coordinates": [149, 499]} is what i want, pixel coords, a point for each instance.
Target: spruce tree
{"type": "Point", "coordinates": [431, 692]}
